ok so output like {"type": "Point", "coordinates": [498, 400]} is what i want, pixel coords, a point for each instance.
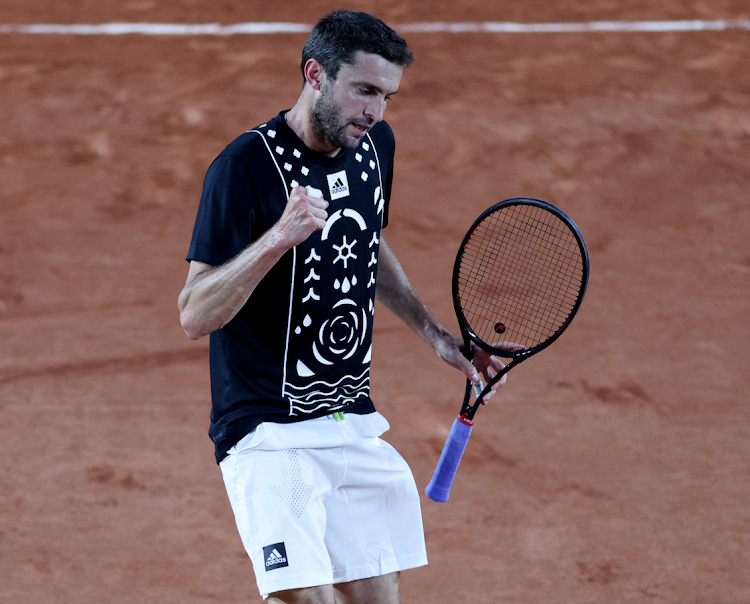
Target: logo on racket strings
{"type": "Point", "coordinates": [499, 328]}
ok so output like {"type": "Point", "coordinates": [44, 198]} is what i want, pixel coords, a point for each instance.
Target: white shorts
{"type": "Point", "coordinates": [322, 502]}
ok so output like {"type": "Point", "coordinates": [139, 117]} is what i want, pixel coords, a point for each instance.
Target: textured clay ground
{"type": "Point", "coordinates": [614, 468]}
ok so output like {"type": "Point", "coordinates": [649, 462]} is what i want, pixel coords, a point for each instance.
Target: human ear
{"type": "Point", "coordinates": [314, 74]}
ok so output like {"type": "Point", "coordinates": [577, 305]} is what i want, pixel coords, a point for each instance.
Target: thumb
{"type": "Point", "coordinates": [469, 370]}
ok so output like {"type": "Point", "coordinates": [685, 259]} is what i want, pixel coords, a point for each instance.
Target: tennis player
{"type": "Point", "coordinates": [286, 260]}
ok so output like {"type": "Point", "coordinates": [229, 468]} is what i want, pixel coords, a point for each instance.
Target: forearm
{"type": "Point", "coordinates": [214, 295]}
{"type": "Point", "coordinates": [395, 292]}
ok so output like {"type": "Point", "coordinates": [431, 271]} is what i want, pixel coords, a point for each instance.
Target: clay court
{"type": "Point", "coordinates": [614, 468]}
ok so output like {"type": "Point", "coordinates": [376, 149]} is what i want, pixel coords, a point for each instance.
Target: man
{"type": "Point", "coordinates": [284, 260]}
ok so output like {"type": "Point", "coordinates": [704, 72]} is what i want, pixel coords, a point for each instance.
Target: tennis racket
{"type": "Point", "coordinates": [519, 278]}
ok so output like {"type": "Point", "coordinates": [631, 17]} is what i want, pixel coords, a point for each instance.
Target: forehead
{"type": "Point", "coordinates": [372, 69]}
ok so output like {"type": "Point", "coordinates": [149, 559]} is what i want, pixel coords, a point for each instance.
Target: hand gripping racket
{"type": "Point", "coordinates": [518, 281]}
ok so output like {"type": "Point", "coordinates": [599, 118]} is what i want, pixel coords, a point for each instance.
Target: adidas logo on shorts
{"type": "Point", "coordinates": [275, 556]}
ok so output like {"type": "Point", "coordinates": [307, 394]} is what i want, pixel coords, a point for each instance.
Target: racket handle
{"type": "Point", "coordinates": [440, 486]}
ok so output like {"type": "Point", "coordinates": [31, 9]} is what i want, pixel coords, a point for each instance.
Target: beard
{"type": "Point", "coordinates": [328, 125]}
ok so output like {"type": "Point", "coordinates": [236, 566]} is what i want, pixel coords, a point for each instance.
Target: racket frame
{"type": "Point", "coordinates": [468, 410]}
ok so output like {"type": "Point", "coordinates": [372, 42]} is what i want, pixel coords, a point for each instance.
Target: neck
{"type": "Point", "coordinates": [298, 119]}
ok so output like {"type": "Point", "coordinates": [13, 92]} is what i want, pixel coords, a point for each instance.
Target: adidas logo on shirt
{"type": "Point", "coordinates": [275, 556]}
{"type": "Point", "coordinates": [338, 185]}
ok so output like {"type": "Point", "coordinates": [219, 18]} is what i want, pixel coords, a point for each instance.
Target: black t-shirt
{"type": "Point", "coordinates": [300, 347]}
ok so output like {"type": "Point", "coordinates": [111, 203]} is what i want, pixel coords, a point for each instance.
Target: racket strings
{"type": "Point", "coordinates": [520, 276]}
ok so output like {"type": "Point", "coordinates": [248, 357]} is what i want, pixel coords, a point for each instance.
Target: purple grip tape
{"type": "Point", "coordinates": [440, 486]}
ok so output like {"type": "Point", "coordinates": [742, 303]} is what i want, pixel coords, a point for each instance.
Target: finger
{"type": "Point", "coordinates": [298, 193]}
{"type": "Point", "coordinates": [466, 366]}
{"type": "Point", "coordinates": [319, 212]}
{"type": "Point", "coordinates": [497, 365]}
{"type": "Point", "coordinates": [313, 196]}
{"type": "Point", "coordinates": [490, 370]}
{"type": "Point", "coordinates": [317, 202]}
{"type": "Point", "coordinates": [509, 346]}
{"type": "Point", "coordinates": [471, 373]}
{"type": "Point", "coordinates": [494, 388]}
{"type": "Point", "coordinates": [313, 192]}
{"type": "Point", "coordinates": [486, 398]}
{"type": "Point", "coordinates": [496, 362]}
{"type": "Point", "coordinates": [500, 382]}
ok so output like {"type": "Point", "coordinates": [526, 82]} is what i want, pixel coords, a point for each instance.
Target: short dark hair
{"type": "Point", "coordinates": [339, 35]}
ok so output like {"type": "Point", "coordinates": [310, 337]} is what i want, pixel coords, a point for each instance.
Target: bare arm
{"type": "Point", "coordinates": [397, 294]}
{"type": "Point", "coordinates": [213, 295]}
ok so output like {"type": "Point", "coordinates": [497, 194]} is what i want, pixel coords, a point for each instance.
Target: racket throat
{"type": "Point", "coordinates": [465, 419]}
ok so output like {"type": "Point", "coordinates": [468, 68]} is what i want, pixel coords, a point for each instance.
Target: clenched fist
{"type": "Point", "coordinates": [305, 213]}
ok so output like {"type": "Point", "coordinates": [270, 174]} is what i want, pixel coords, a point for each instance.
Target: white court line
{"type": "Point", "coordinates": [592, 26]}
{"type": "Point", "coordinates": [216, 29]}
{"type": "Point", "coordinates": [158, 29]}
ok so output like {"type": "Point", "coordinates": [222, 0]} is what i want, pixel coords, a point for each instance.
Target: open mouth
{"type": "Point", "coordinates": [361, 128]}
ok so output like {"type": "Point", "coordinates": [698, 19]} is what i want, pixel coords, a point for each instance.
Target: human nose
{"type": "Point", "coordinates": [375, 109]}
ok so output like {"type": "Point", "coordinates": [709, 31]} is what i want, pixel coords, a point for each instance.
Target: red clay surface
{"type": "Point", "coordinates": [614, 468]}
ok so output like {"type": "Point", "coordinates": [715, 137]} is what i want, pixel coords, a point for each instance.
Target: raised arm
{"type": "Point", "coordinates": [213, 295]}
{"type": "Point", "coordinates": [397, 294]}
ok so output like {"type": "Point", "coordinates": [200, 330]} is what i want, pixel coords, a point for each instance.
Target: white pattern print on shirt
{"type": "Point", "coordinates": [328, 345]}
